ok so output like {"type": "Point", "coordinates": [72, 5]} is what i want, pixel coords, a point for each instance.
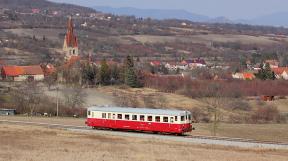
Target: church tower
{"type": "Point", "coordinates": [70, 46]}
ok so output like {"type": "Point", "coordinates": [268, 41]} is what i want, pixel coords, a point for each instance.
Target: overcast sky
{"type": "Point", "coordinates": [234, 9]}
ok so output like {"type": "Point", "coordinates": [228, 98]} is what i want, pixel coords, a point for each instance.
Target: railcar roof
{"type": "Point", "coordinates": [138, 110]}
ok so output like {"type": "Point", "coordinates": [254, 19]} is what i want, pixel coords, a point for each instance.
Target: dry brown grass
{"type": "Point", "coordinates": [27, 143]}
{"type": "Point", "coordinates": [265, 132]}
{"type": "Point", "coordinates": [205, 39]}
{"type": "Point", "coordinates": [171, 100]}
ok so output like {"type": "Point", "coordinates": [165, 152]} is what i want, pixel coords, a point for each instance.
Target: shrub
{"type": "Point", "coordinates": [266, 114]}
{"type": "Point", "coordinates": [198, 115]}
{"type": "Point", "coordinates": [239, 105]}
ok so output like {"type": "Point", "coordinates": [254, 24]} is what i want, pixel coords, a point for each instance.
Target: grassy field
{"type": "Point", "coordinates": [205, 39]}
{"type": "Point", "coordinates": [265, 132]}
{"type": "Point", "coordinates": [28, 143]}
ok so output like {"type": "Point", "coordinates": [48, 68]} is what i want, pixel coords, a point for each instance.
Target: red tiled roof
{"type": "Point", "coordinates": [50, 69]}
{"type": "Point", "coordinates": [248, 76]}
{"type": "Point", "coordinates": [72, 61]}
{"type": "Point", "coordinates": [279, 70]}
{"type": "Point", "coordinates": [32, 70]}
{"type": "Point", "coordinates": [22, 70]}
{"type": "Point", "coordinates": [12, 70]}
{"type": "Point", "coordinates": [156, 63]}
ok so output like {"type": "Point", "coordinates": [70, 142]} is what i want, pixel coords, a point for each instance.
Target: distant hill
{"type": "Point", "coordinates": [154, 13]}
{"type": "Point", "coordinates": [275, 19]}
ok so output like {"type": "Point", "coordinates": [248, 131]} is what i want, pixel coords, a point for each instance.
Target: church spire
{"type": "Point", "coordinates": [70, 46]}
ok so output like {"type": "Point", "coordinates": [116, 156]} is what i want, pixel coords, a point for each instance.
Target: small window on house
{"type": "Point", "coordinates": [134, 117]}
{"type": "Point", "coordinates": [109, 115]}
{"type": "Point", "coordinates": [149, 118]}
{"type": "Point", "coordinates": [73, 51]}
{"type": "Point", "coordinates": [165, 119]}
{"type": "Point", "coordinates": [182, 118]}
{"type": "Point", "coordinates": [119, 116]}
{"type": "Point", "coordinates": [104, 115]}
{"type": "Point", "coordinates": [157, 118]}
{"type": "Point", "coordinates": [176, 118]}
{"type": "Point", "coordinates": [142, 118]}
{"type": "Point", "coordinates": [127, 117]}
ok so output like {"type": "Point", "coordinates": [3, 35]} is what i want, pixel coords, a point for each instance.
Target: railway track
{"type": "Point", "coordinates": [237, 140]}
{"type": "Point", "coordinates": [210, 140]}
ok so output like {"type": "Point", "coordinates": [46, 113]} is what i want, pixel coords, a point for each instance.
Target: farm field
{"type": "Point", "coordinates": [36, 143]}
{"type": "Point", "coordinates": [262, 132]}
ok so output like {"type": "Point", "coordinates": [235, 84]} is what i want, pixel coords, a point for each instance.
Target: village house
{"type": "Point", "coordinates": [22, 73]}
{"type": "Point", "coordinates": [194, 63]}
{"type": "Point", "coordinates": [171, 66]}
{"type": "Point", "coordinates": [243, 76]}
{"type": "Point", "coordinates": [48, 69]}
{"type": "Point", "coordinates": [273, 63]}
{"type": "Point", "coordinates": [155, 63]}
{"type": "Point", "coordinates": [281, 72]}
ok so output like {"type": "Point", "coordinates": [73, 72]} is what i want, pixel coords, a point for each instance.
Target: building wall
{"type": "Point", "coordinates": [25, 77]}
{"type": "Point", "coordinates": [285, 75]}
{"type": "Point", "coordinates": [7, 112]}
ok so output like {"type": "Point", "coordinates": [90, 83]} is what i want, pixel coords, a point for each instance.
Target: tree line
{"type": "Point", "coordinates": [105, 74]}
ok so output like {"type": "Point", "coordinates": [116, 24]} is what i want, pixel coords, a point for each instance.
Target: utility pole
{"type": "Point", "coordinates": [57, 102]}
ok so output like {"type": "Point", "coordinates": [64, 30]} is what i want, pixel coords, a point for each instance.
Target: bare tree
{"type": "Point", "coordinates": [50, 80]}
{"type": "Point", "coordinates": [74, 96]}
{"type": "Point", "coordinates": [161, 101]}
{"type": "Point", "coordinates": [124, 99]}
{"type": "Point", "coordinates": [214, 101]}
{"type": "Point", "coordinates": [149, 101]}
{"type": "Point", "coordinates": [28, 97]}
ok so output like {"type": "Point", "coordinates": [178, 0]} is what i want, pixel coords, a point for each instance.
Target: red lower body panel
{"type": "Point", "coordinates": [139, 125]}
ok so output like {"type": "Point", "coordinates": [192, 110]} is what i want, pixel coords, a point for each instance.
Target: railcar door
{"type": "Point", "coordinates": [171, 122]}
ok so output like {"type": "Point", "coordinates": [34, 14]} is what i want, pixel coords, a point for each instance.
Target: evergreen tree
{"type": "Point", "coordinates": [89, 73]}
{"type": "Point", "coordinates": [104, 73]}
{"type": "Point", "coordinates": [115, 74]}
{"type": "Point", "coordinates": [130, 74]}
{"type": "Point", "coordinates": [265, 72]}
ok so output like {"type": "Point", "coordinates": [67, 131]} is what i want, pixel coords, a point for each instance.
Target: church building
{"type": "Point", "coordinates": [70, 46]}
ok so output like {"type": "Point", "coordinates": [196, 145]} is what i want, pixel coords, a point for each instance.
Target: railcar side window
{"type": "Point", "coordinates": [189, 116]}
{"type": "Point", "coordinates": [171, 119]}
{"type": "Point", "coordinates": [176, 118]}
{"type": "Point", "coordinates": [119, 116]}
{"type": "Point", "coordinates": [134, 117]}
{"type": "Point", "coordinates": [109, 115]}
{"type": "Point", "coordinates": [104, 115]}
{"type": "Point", "coordinates": [157, 118]}
{"type": "Point", "coordinates": [149, 118]}
{"type": "Point", "coordinates": [127, 117]}
{"type": "Point", "coordinates": [113, 117]}
{"type": "Point", "coordinates": [89, 113]}
{"type": "Point", "coordinates": [142, 117]}
{"type": "Point", "coordinates": [165, 119]}
{"type": "Point", "coordinates": [182, 118]}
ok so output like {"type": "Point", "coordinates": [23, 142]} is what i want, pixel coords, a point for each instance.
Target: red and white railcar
{"type": "Point", "coordinates": [140, 119]}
